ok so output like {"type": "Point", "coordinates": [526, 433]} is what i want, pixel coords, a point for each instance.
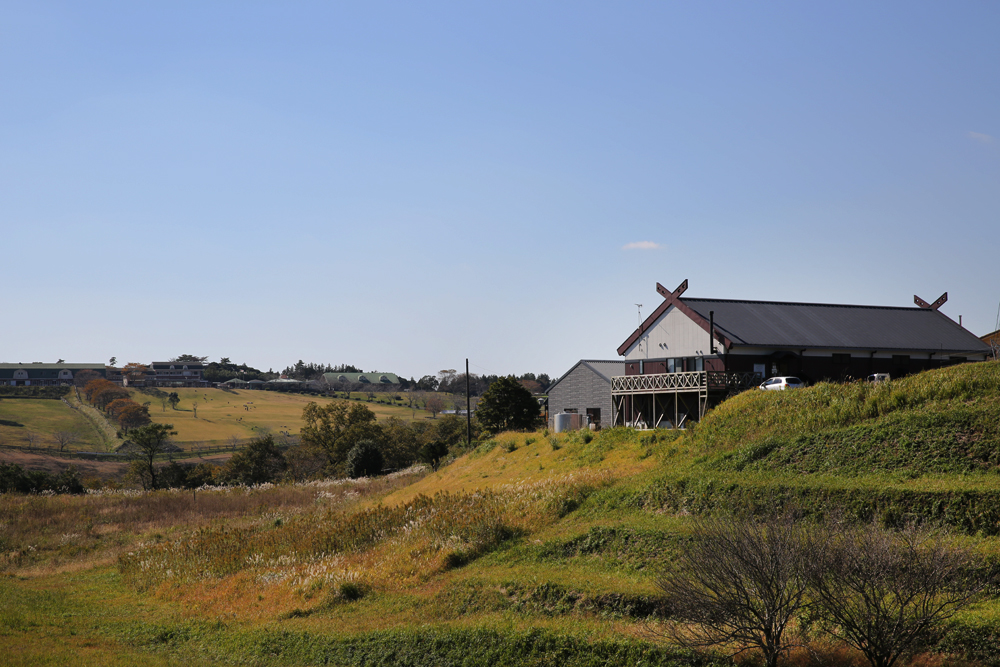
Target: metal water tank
{"type": "Point", "coordinates": [563, 422]}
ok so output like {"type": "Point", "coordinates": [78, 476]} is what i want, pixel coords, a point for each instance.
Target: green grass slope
{"type": "Point", "coordinates": [43, 418]}
{"type": "Point", "coordinates": [942, 421]}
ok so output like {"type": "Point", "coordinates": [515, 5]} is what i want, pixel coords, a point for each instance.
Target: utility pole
{"type": "Point", "coordinates": [468, 407]}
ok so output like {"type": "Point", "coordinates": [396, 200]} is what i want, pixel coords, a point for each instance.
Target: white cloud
{"type": "Point", "coordinates": [641, 245]}
{"type": "Point", "coordinates": [980, 137]}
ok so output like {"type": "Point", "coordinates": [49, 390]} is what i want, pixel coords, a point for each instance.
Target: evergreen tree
{"type": "Point", "coordinates": [507, 406]}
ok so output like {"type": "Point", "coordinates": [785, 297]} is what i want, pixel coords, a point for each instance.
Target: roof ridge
{"type": "Point", "coordinates": [806, 303]}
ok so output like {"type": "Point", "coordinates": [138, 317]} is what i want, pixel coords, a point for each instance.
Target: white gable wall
{"type": "Point", "coordinates": [673, 335]}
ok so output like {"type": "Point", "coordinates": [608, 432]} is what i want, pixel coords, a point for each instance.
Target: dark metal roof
{"type": "Point", "coordinates": [819, 325]}
{"type": "Point", "coordinates": [605, 369]}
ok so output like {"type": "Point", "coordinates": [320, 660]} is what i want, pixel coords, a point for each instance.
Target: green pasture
{"type": "Point", "coordinates": [43, 418]}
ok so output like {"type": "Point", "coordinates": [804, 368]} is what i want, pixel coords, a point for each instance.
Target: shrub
{"type": "Point", "coordinates": [433, 452]}
{"type": "Point", "coordinates": [14, 478]}
{"type": "Point", "coordinates": [738, 583]}
{"type": "Point", "coordinates": [260, 462]}
{"type": "Point", "coordinates": [884, 593]}
{"type": "Point", "coordinates": [364, 460]}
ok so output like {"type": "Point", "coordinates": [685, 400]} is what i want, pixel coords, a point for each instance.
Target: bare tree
{"type": "Point", "coordinates": [434, 405]}
{"type": "Point", "coordinates": [64, 438]}
{"type": "Point", "coordinates": [738, 583]}
{"type": "Point", "coordinates": [194, 406]}
{"type": "Point", "coordinates": [163, 401]}
{"type": "Point", "coordinates": [32, 438]}
{"type": "Point", "coordinates": [882, 592]}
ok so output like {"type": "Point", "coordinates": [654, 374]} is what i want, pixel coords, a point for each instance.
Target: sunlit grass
{"type": "Point", "coordinates": [44, 418]}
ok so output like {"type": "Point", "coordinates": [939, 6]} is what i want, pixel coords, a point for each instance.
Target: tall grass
{"type": "Point", "coordinates": [52, 530]}
{"type": "Point", "coordinates": [330, 546]}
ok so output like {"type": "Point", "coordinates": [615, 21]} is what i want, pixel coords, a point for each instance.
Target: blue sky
{"type": "Point", "coordinates": [403, 185]}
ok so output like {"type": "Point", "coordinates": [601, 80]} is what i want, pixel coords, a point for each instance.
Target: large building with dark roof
{"type": "Point", "coordinates": [680, 367]}
{"type": "Point", "coordinates": [44, 375]}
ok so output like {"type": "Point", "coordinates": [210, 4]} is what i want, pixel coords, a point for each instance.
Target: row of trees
{"type": "Point", "coordinates": [767, 585]}
{"type": "Point", "coordinates": [341, 438]}
{"type": "Point", "coordinates": [330, 432]}
{"type": "Point", "coordinates": [225, 369]}
{"type": "Point", "coordinates": [117, 403]}
{"type": "Point", "coordinates": [451, 381]}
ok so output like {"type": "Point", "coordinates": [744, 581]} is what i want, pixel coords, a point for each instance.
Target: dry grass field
{"type": "Point", "coordinates": [242, 413]}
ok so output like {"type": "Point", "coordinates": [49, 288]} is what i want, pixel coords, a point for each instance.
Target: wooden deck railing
{"type": "Point", "coordinates": [701, 381]}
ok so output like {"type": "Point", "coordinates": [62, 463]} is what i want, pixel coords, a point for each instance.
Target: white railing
{"type": "Point", "coordinates": [691, 381]}
{"type": "Point", "coordinates": [641, 384]}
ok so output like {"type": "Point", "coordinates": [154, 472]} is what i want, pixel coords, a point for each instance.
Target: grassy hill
{"type": "Point", "coordinates": [533, 549]}
{"type": "Point", "coordinates": [945, 421]}
{"type": "Point", "coordinates": [240, 413]}
{"type": "Point", "coordinates": [20, 417]}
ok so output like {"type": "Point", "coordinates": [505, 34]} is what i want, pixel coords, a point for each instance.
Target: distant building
{"type": "Point", "coordinates": [361, 378]}
{"type": "Point", "coordinates": [585, 389]}
{"type": "Point", "coordinates": [177, 374]}
{"type": "Point", "coordinates": [44, 375]}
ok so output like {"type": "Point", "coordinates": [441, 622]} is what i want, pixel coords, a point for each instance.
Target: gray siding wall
{"type": "Point", "coordinates": [581, 389]}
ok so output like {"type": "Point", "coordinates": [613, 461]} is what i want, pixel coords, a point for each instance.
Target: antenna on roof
{"type": "Point", "coordinates": [639, 306]}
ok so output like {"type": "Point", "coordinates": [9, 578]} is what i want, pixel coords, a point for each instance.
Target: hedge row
{"type": "Point", "coordinates": [15, 479]}
{"type": "Point", "coordinates": [970, 512]}
{"type": "Point", "coordinates": [6, 391]}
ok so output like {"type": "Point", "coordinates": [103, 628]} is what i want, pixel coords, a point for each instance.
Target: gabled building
{"type": "Point", "coordinates": [693, 351]}
{"type": "Point", "coordinates": [44, 375]}
{"type": "Point", "coordinates": [177, 374]}
{"type": "Point", "coordinates": [361, 378]}
{"type": "Point", "coordinates": [585, 389]}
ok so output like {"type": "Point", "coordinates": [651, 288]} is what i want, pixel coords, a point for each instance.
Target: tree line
{"type": "Point", "coordinates": [339, 439]}
{"type": "Point", "coordinates": [446, 380]}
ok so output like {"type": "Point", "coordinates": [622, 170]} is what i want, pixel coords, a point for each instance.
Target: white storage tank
{"type": "Point", "coordinates": [563, 422]}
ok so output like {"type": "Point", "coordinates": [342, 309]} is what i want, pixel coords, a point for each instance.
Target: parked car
{"type": "Point", "coordinates": [878, 377]}
{"type": "Point", "coordinates": [783, 382]}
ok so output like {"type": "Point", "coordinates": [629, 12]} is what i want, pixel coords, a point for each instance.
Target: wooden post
{"type": "Point", "coordinates": [468, 407]}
